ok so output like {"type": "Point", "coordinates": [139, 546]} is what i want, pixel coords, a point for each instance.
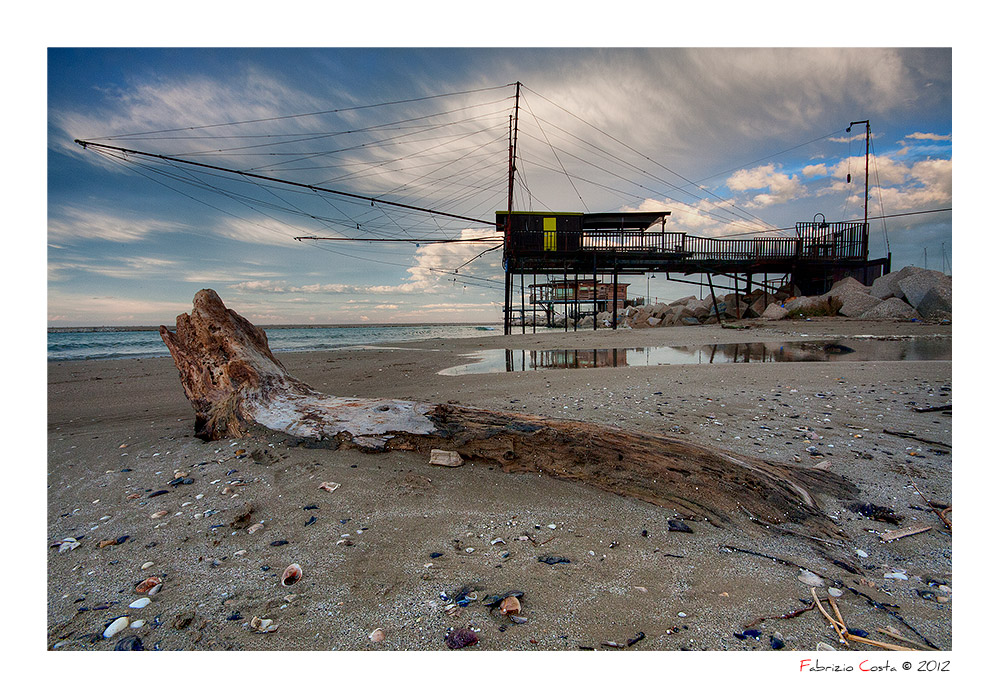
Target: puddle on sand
{"type": "Point", "coordinates": [840, 350]}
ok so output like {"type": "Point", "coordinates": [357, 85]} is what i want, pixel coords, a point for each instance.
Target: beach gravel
{"type": "Point", "coordinates": [392, 545]}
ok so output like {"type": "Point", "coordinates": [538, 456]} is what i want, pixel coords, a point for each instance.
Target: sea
{"type": "Point", "coordinates": [69, 344]}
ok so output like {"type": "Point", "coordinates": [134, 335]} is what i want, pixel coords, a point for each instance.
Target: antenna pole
{"type": "Point", "coordinates": [868, 141]}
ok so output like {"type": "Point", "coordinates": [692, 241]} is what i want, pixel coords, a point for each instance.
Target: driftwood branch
{"type": "Point", "coordinates": [911, 435]}
{"type": "Point", "coordinates": [237, 386]}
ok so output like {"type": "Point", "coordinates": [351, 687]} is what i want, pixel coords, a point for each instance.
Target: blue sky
{"type": "Point", "coordinates": [730, 140]}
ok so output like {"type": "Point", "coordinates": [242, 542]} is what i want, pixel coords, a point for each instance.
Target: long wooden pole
{"type": "Point", "coordinates": [311, 187]}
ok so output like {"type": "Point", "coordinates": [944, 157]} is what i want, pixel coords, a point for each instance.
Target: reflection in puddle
{"type": "Point", "coordinates": [844, 350]}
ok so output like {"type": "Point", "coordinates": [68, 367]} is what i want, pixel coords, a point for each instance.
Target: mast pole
{"type": "Point", "coordinates": [511, 166]}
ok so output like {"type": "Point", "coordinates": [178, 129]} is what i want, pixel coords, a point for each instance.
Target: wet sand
{"type": "Point", "coordinates": [120, 430]}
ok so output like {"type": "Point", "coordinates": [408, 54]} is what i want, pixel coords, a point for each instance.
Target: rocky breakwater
{"type": "Point", "coordinates": [911, 293]}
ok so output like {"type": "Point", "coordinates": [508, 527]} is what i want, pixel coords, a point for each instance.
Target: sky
{"type": "Point", "coordinates": [731, 141]}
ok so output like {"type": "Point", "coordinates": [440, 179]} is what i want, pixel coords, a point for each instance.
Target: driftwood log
{"type": "Point", "coordinates": [237, 386]}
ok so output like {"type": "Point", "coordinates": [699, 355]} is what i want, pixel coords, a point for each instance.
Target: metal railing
{"type": "Point", "coordinates": [813, 241]}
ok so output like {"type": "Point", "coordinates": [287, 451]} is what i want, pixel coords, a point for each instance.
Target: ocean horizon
{"type": "Point", "coordinates": [139, 342]}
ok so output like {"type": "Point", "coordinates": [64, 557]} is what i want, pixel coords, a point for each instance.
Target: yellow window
{"type": "Point", "coordinates": [549, 227]}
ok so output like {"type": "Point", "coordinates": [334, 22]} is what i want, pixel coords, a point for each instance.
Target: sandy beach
{"type": "Point", "coordinates": [394, 546]}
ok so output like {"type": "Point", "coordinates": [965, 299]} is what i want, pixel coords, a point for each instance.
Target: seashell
{"type": "Point", "coordinates": [253, 529]}
{"type": "Point", "coordinates": [377, 636]}
{"type": "Point", "coordinates": [263, 625]}
{"type": "Point", "coordinates": [292, 575]}
{"type": "Point", "coordinates": [157, 515]}
{"type": "Point", "coordinates": [147, 585]}
{"type": "Point", "coordinates": [147, 565]}
{"type": "Point", "coordinates": [329, 486]}
{"type": "Point", "coordinates": [510, 605]}
{"type": "Point", "coordinates": [137, 624]}
{"type": "Point", "coordinates": [116, 626]}
{"type": "Point", "coordinates": [68, 544]}
{"type": "Point", "coordinates": [140, 603]}
{"type": "Point", "coordinates": [155, 589]}
{"type": "Point", "coordinates": [810, 578]}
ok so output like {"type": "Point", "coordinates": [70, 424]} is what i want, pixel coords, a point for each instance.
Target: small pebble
{"type": "Point", "coordinates": [129, 643]}
{"type": "Point", "coordinates": [460, 638]}
{"type": "Point", "coordinates": [140, 603]}
{"type": "Point", "coordinates": [677, 525]}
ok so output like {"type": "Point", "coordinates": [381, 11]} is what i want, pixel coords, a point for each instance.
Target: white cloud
{"type": "Point", "coordinates": [928, 186]}
{"type": "Point", "coordinates": [161, 104]}
{"type": "Point", "coordinates": [80, 224]}
{"type": "Point", "coordinates": [780, 187]}
{"type": "Point", "coordinates": [904, 187]}
{"type": "Point", "coordinates": [928, 136]}
{"type": "Point", "coordinates": [262, 231]}
{"type": "Point", "coordinates": [116, 268]}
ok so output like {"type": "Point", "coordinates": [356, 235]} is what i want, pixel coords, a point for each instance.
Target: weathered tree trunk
{"type": "Point", "coordinates": [237, 386]}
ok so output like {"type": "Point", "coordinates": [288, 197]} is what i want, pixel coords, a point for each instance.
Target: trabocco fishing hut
{"type": "Point", "coordinates": [587, 246]}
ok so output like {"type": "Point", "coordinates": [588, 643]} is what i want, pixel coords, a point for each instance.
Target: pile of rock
{"type": "Point", "coordinates": [907, 294]}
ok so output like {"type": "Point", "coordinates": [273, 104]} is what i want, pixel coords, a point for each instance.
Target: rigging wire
{"type": "Point", "coordinates": [373, 200]}
{"type": "Point", "coordinates": [772, 155]}
{"type": "Point", "coordinates": [751, 219]}
{"type": "Point", "coordinates": [309, 114]}
{"type": "Point", "coordinates": [646, 157]}
{"type": "Point", "coordinates": [878, 188]}
{"type": "Point", "coordinates": [484, 282]}
{"type": "Point", "coordinates": [555, 154]}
